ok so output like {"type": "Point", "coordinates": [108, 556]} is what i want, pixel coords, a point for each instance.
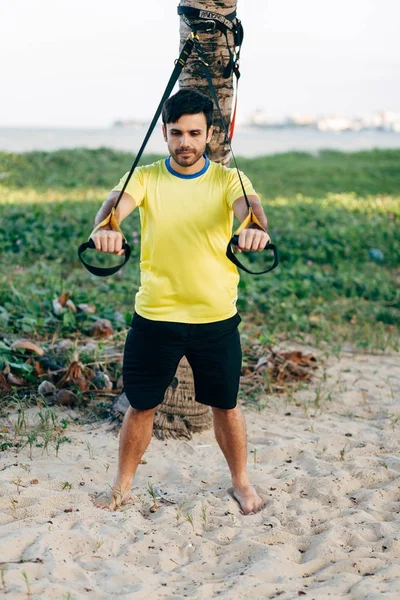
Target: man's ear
{"type": "Point", "coordinates": [164, 130]}
{"type": "Point", "coordinates": [209, 134]}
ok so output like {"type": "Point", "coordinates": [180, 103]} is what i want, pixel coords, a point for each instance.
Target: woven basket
{"type": "Point", "coordinates": [179, 416]}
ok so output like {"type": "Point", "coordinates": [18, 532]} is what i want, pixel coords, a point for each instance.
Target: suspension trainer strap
{"type": "Point", "coordinates": [233, 117]}
{"type": "Point", "coordinates": [251, 218]}
{"type": "Point", "coordinates": [232, 257]}
{"type": "Point", "coordinates": [179, 64]}
{"type": "Point", "coordinates": [207, 21]}
{"type": "Point", "coordinates": [111, 220]}
{"type": "Point", "coordinates": [222, 22]}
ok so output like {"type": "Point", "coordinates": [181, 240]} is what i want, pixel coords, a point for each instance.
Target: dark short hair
{"type": "Point", "coordinates": [187, 102]}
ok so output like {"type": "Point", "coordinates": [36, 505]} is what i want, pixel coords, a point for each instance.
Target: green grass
{"type": "Point", "coordinates": [362, 173]}
{"type": "Point", "coordinates": [326, 213]}
{"type": "Point", "coordinates": [375, 172]}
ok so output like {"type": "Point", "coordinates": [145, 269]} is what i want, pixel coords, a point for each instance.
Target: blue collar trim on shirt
{"type": "Point", "coordinates": [181, 175]}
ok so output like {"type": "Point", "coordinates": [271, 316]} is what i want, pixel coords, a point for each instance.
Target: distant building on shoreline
{"type": "Point", "coordinates": [379, 121]}
{"type": "Point", "coordinates": [261, 118]}
{"type": "Point", "coordinates": [129, 123]}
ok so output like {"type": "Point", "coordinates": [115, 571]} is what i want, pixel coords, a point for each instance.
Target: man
{"type": "Point", "coordinates": [186, 304]}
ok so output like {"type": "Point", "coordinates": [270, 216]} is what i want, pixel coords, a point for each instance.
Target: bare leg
{"type": "Point", "coordinates": [134, 438]}
{"type": "Point", "coordinates": [230, 432]}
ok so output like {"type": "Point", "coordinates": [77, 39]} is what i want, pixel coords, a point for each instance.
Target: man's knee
{"type": "Point", "coordinates": [141, 413]}
{"type": "Point", "coordinates": [228, 413]}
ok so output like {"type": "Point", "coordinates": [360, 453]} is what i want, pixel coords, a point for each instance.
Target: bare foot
{"type": "Point", "coordinates": [248, 499]}
{"type": "Point", "coordinates": [113, 499]}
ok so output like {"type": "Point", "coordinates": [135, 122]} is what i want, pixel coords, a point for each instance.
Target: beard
{"type": "Point", "coordinates": [189, 159]}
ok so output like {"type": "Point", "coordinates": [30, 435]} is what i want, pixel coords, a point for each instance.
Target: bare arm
{"type": "Point", "coordinates": [105, 239]}
{"type": "Point", "coordinates": [241, 210]}
{"type": "Point", "coordinates": [252, 237]}
{"type": "Point", "coordinates": [124, 208]}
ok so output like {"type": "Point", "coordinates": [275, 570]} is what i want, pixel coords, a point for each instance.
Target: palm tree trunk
{"type": "Point", "coordinates": [179, 416]}
{"type": "Point", "coordinates": [217, 55]}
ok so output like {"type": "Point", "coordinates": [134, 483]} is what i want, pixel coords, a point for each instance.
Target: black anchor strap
{"type": "Point", "coordinates": [111, 220]}
{"type": "Point", "coordinates": [251, 217]}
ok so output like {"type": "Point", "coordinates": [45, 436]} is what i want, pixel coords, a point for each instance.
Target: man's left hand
{"type": "Point", "coordinates": [252, 239]}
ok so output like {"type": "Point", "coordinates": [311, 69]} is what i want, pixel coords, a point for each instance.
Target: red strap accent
{"type": "Point", "coordinates": [233, 119]}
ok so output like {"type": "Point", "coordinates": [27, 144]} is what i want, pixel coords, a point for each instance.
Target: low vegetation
{"type": "Point", "coordinates": [334, 217]}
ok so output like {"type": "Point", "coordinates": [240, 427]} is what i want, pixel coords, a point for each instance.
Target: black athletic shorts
{"type": "Point", "coordinates": [153, 350]}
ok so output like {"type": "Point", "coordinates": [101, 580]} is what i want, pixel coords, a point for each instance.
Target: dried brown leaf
{"type": "Point", "coordinates": [63, 298]}
{"type": "Point", "coordinates": [81, 383]}
{"type": "Point", "coordinates": [74, 371]}
{"type": "Point", "coordinates": [27, 345]}
{"type": "Point", "coordinates": [71, 306]}
{"type": "Point", "coordinates": [4, 385]}
{"type": "Point", "coordinates": [102, 328]}
{"type": "Point", "coordinates": [87, 308]}
{"type": "Point", "coordinates": [38, 368]}
{"type": "Point", "coordinates": [15, 380]}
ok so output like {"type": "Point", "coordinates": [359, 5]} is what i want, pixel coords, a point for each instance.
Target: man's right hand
{"type": "Point", "coordinates": [108, 240]}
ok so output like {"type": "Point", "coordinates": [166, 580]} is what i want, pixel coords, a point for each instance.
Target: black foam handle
{"type": "Point", "coordinates": [232, 257]}
{"type": "Point", "coordinates": [102, 271]}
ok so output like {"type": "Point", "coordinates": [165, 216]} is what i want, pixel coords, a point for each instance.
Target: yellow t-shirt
{"type": "Point", "coordinates": [186, 223]}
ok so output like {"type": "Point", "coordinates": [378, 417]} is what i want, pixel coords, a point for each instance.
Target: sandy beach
{"type": "Point", "coordinates": [326, 456]}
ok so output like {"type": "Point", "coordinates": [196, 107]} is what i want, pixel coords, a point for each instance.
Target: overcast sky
{"type": "Point", "coordinates": [86, 63]}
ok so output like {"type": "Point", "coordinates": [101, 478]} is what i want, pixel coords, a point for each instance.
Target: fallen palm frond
{"type": "Point", "coordinates": [274, 371]}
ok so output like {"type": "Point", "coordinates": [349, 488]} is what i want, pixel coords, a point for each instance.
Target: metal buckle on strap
{"type": "Point", "coordinates": [200, 25]}
{"type": "Point", "coordinates": [206, 26]}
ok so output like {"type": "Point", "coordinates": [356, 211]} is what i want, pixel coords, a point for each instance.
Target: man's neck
{"type": "Point", "coordinates": [195, 168]}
